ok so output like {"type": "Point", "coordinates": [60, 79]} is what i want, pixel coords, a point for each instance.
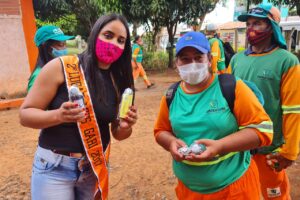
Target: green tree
{"type": "Point", "coordinates": [51, 10]}
{"type": "Point", "coordinates": [156, 14]}
{"type": "Point", "coordinates": [169, 13]}
{"type": "Point", "coordinates": [136, 13]}
{"type": "Point", "coordinates": [293, 4]}
{"type": "Point", "coordinates": [86, 12]}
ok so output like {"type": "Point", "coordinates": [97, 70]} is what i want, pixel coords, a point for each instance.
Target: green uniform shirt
{"type": "Point", "coordinates": [137, 53]}
{"type": "Point", "coordinates": [266, 71]}
{"type": "Point", "coordinates": [218, 52]}
{"type": "Point", "coordinates": [33, 77]}
{"type": "Point", "coordinates": [197, 116]}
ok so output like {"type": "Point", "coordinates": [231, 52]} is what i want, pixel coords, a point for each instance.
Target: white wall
{"type": "Point", "coordinates": [14, 64]}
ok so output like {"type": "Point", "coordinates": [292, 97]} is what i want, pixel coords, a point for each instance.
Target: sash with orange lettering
{"type": "Point", "coordinates": [89, 129]}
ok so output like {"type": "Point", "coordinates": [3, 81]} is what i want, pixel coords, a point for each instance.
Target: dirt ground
{"type": "Point", "coordinates": [140, 169]}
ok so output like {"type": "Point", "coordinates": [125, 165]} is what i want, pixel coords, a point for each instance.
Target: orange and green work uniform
{"type": "Point", "coordinates": [136, 62]}
{"type": "Point", "coordinates": [276, 73]}
{"type": "Point", "coordinates": [193, 116]}
{"type": "Point", "coordinates": [218, 55]}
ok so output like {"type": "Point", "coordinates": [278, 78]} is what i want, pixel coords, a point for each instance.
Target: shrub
{"type": "Point", "coordinates": [72, 51]}
{"type": "Point", "coordinates": [72, 43]}
{"type": "Point", "coordinates": [155, 61]}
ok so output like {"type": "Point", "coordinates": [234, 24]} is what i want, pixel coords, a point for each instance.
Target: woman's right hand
{"type": "Point", "coordinates": [175, 144]}
{"type": "Point", "coordinates": [70, 112]}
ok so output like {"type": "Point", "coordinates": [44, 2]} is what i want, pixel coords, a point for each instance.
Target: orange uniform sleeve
{"type": "Point", "coordinates": [162, 122]}
{"type": "Point", "coordinates": [215, 52]}
{"type": "Point", "coordinates": [251, 114]}
{"type": "Point", "coordinates": [290, 98]}
{"type": "Point", "coordinates": [229, 69]}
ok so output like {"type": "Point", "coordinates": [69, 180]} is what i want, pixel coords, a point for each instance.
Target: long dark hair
{"type": "Point", "coordinates": [121, 69]}
{"type": "Point", "coordinates": [44, 55]}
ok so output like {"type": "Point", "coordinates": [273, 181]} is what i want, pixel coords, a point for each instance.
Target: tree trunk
{"type": "Point", "coordinates": [154, 35]}
{"type": "Point", "coordinates": [134, 29]}
{"type": "Point", "coordinates": [171, 47]}
{"type": "Point", "coordinates": [248, 5]}
{"type": "Point", "coordinates": [201, 20]}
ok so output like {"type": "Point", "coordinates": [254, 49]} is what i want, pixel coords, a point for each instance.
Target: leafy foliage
{"type": "Point", "coordinates": [155, 14]}
{"type": "Point", "coordinates": [291, 3]}
{"type": "Point", "coordinates": [67, 23]}
{"type": "Point", "coordinates": [156, 61]}
{"type": "Point", "coordinates": [86, 12]}
{"type": "Point", "coordinates": [169, 13]}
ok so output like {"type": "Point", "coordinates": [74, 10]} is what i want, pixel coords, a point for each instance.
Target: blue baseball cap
{"type": "Point", "coordinates": [193, 39]}
{"type": "Point", "coordinates": [50, 32]}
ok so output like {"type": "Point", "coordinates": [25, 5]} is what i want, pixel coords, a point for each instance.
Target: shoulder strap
{"type": "Point", "coordinates": [171, 92]}
{"type": "Point", "coordinates": [227, 83]}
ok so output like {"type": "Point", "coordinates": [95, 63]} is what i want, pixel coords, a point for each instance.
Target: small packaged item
{"type": "Point", "coordinates": [184, 150]}
{"type": "Point", "coordinates": [193, 148]}
{"type": "Point", "coordinates": [76, 96]}
{"type": "Point", "coordinates": [126, 102]}
{"type": "Point", "coordinates": [197, 148]}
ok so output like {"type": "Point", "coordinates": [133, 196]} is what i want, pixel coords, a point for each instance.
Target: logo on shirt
{"type": "Point", "coordinates": [273, 192]}
{"type": "Point", "coordinates": [266, 74]}
{"type": "Point", "coordinates": [214, 107]}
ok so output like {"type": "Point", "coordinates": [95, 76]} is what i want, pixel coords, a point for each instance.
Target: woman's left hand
{"type": "Point", "coordinates": [130, 119]}
{"type": "Point", "coordinates": [213, 148]}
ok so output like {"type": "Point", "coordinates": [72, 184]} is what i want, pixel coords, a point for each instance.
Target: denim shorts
{"type": "Point", "coordinates": [59, 177]}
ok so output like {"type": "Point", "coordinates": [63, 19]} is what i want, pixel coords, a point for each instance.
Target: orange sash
{"type": "Point", "coordinates": [89, 129]}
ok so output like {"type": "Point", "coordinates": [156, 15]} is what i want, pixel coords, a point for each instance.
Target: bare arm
{"type": "Point", "coordinates": [33, 111]}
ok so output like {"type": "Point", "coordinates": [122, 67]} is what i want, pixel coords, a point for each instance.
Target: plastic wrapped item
{"type": "Point", "coordinates": [184, 150]}
{"type": "Point", "coordinates": [76, 96]}
{"type": "Point", "coordinates": [193, 148]}
{"type": "Point", "coordinates": [127, 98]}
{"type": "Point", "coordinates": [197, 148]}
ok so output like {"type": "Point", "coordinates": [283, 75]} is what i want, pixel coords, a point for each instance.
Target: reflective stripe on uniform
{"type": "Point", "coordinates": [216, 161]}
{"type": "Point", "coordinates": [214, 53]}
{"type": "Point", "coordinates": [266, 126]}
{"type": "Point", "coordinates": [291, 109]}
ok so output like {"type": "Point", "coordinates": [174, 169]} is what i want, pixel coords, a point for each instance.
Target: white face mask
{"type": "Point", "coordinates": [193, 73]}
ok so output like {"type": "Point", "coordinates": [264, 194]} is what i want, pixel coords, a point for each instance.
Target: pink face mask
{"type": "Point", "coordinates": [106, 52]}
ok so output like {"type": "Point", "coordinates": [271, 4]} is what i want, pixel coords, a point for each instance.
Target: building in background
{"type": "Point", "coordinates": [291, 30]}
{"type": "Point", "coordinates": [234, 33]}
{"type": "Point", "coordinates": [18, 52]}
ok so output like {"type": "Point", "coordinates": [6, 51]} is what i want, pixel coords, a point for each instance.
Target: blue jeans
{"type": "Point", "coordinates": [59, 177]}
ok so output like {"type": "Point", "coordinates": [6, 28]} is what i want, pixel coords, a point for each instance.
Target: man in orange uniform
{"type": "Point", "coordinates": [217, 49]}
{"type": "Point", "coordinates": [137, 58]}
{"type": "Point", "coordinates": [276, 72]}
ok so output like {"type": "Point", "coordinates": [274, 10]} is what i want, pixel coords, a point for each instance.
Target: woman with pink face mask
{"type": "Point", "coordinates": [71, 161]}
{"type": "Point", "coordinates": [197, 113]}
